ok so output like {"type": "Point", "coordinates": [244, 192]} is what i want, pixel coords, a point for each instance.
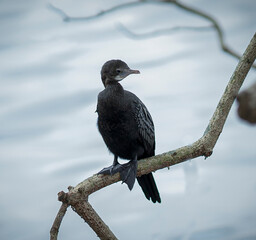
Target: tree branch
{"type": "Point", "coordinates": [84, 209]}
{"type": "Point", "coordinates": [133, 35]}
{"type": "Point", "coordinates": [215, 24]}
{"type": "Point", "coordinates": [77, 197]}
{"type": "Point", "coordinates": [159, 32]}
{"type": "Point", "coordinates": [67, 18]}
{"type": "Point", "coordinates": [57, 222]}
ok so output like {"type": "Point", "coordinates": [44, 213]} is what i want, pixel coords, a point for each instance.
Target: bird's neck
{"type": "Point", "coordinates": [114, 86]}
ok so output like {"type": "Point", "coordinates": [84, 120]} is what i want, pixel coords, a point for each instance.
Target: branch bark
{"type": "Point", "coordinates": [57, 222]}
{"type": "Point", "coordinates": [77, 197]}
{"type": "Point", "coordinates": [86, 211]}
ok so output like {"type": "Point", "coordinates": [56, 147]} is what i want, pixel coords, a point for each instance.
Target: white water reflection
{"type": "Point", "coordinates": [49, 76]}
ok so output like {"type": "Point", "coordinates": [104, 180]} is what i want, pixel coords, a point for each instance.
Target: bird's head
{"type": "Point", "coordinates": [115, 71]}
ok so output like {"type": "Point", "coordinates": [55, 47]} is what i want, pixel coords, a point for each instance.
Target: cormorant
{"type": "Point", "coordinates": [126, 127]}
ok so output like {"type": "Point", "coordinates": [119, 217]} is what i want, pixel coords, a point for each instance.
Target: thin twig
{"type": "Point", "coordinates": [159, 32]}
{"type": "Point", "coordinates": [215, 24]}
{"type": "Point", "coordinates": [67, 18]}
{"type": "Point", "coordinates": [183, 6]}
{"type": "Point", "coordinates": [77, 197]}
{"type": "Point", "coordinates": [57, 222]}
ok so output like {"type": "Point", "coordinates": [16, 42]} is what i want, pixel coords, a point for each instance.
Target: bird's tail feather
{"type": "Point", "coordinates": [149, 187]}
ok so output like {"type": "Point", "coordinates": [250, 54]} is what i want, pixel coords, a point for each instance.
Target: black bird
{"type": "Point", "coordinates": [126, 127]}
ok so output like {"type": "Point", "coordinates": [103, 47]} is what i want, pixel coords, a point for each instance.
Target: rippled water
{"type": "Point", "coordinates": [49, 75]}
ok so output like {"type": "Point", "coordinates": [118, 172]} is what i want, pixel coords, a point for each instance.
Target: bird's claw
{"type": "Point", "coordinates": [111, 170]}
{"type": "Point", "coordinates": [128, 174]}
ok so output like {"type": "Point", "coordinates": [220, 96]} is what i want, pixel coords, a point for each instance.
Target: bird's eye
{"type": "Point", "coordinates": [118, 70]}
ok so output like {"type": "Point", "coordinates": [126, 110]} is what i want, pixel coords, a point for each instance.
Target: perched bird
{"type": "Point", "coordinates": [126, 127]}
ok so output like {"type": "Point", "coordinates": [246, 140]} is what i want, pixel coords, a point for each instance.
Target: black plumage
{"type": "Point", "coordinates": [126, 127]}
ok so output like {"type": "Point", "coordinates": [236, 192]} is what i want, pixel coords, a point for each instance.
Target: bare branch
{"type": "Point", "coordinates": [85, 210]}
{"type": "Point", "coordinates": [215, 24]}
{"type": "Point", "coordinates": [68, 18]}
{"type": "Point", "coordinates": [77, 197]}
{"type": "Point", "coordinates": [57, 222]}
{"type": "Point", "coordinates": [133, 35]}
{"type": "Point", "coordinates": [159, 32]}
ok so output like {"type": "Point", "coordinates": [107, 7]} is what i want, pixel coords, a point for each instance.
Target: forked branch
{"type": "Point", "coordinates": [77, 197]}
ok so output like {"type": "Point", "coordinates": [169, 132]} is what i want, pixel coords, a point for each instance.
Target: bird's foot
{"type": "Point", "coordinates": [128, 173]}
{"type": "Point", "coordinates": [111, 170]}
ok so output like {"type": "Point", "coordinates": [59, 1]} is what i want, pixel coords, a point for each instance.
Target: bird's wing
{"type": "Point", "coordinates": [145, 125]}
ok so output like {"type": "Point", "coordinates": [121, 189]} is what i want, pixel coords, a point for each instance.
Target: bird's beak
{"type": "Point", "coordinates": [125, 73]}
{"type": "Point", "coordinates": [130, 71]}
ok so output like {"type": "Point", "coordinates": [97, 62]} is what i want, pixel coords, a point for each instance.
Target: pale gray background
{"type": "Point", "coordinates": [49, 75]}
